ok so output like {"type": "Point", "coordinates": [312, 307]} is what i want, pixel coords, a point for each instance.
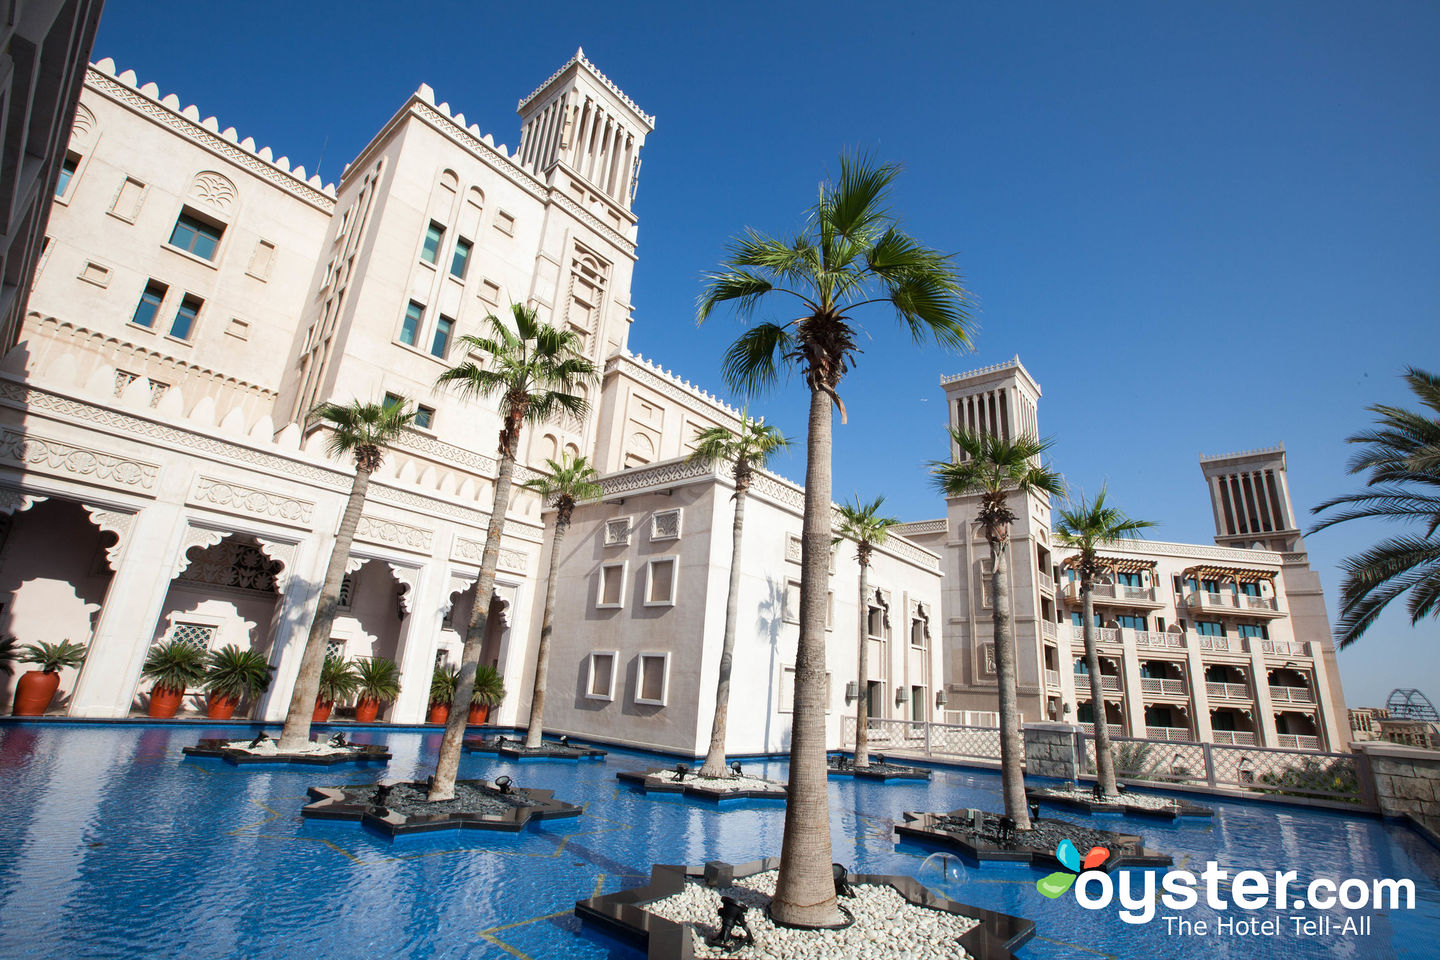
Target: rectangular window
{"type": "Point", "coordinates": [791, 612]}
{"type": "Point", "coordinates": [67, 173]}
{"type": "Point", "coordinates": [917, 703]}
{"type": "Point", "coordinates": [1210, 586]}
{"type": "Point", "coordinates": [440, 345]}
{"type": "Point", "coordinates": [460, 260]}
{"type": "Point", "coordinates": [197, 635]}
{"type": "Point", "coordinates": [410, 329]}
{"type": "Point", "coordinates": [787, 691]}
{"type": "Point", "coordinates": [149, 304]}
{"type": "Point", "coordinates": [184, 323]}
{"type": "Point", "coordinates": [424, 417]}
{"type": "Point", "coordinates": [1250, 589]}
{"type": "Point", "coordinates": [611, 590]}
{"type": "Point", "coordinates": [196, 236]}
{"type": "Point", "coordinates": [1132, 622]}
{"type": "Point", "coordinates": [1256, 630]}
{"type": "Point", "coordinates": [434, 234]}
{"type": "Point", "coordinates": [1210, 628]}
{"type": "Point", "coordinates": [660, 582]}
{"type": "Point", "coordinates": [1128, 579]}
{"type": "Point", "coordinates": [917, 632]}
{"type": "Point", "coordinates": [1176, 581]}
{"type": "Point", "coordinates": [600, 684]}
{"type": "Point", "coordinates": [653, 680]}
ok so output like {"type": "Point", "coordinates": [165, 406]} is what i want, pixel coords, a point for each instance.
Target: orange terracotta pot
{"type": "Point", "coordinates": [366, 710]}
{"type": "Point", "coordinates": [164, 701]}
{"type": "Point", "coordinates": [439, 713]}
{"type": "Point", "coordinates": [221, 707]}
{"type": "Point", "coordinates": [479, 713]}
{"type": "Point", "coordinates": [322, 710]}
{"type": "Point", "coordinates": [34, 692]}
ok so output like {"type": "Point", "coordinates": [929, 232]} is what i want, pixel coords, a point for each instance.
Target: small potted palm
{"type": "Point", "coordinates": [337, 682]}
{"type": "Point", "coordinates": [233, 675]}
{"type": "Point", "coordinates": [36, 688]}
{"type": "Point", "coordinates": [442, 693]}
{"type": "Point", "coordinates": [489, 691]}
{"type": "Point", "coordinates": [377, 682]}
{"type": "Point", "coordinates": [173, 666]}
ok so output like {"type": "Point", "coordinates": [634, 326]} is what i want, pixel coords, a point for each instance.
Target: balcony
{"type": "Point", "coordinates": [1109, 683]}
{"type": "Point", "coordinates": [1236, 738]}
{"type": "Point", "coordinates": [1159, 641]}
{"type": "Point", "coordinates": [1179, 734]}
{"type": "Point", "coordinates": [1047, 629]}
{"type": "Point", "coordinates": [1297, 741]}
{"type": "Point", "coordinates": [1114, 729]}
{"type": "Point", "coordinates": [1052, 679]}
{"type": "Point", "coordinates": [1162, 686]}
{"type": "Point", "coordinates": [1221, 645]}
{"type": "Point", "coordinates": [1115, 594]}
{"type": "Point", "coordinates": [1227, 691]}
{"type": "Point", "coordinates": [1102, 634]}
{"type": "Point", "coordinates": [1292, 695]}
{"type": "Point", "coordinates": [1200, 601]}
{"type": "Point", "coordinates": [1285, 648]}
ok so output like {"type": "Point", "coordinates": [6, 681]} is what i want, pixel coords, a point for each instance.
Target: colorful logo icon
{"type": "Point", "coordinates": [1057, 883]}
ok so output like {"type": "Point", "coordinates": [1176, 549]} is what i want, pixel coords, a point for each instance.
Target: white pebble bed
{"type": "Point", "coordinates": [1139, 800]}
{"type": "Point", "coordinates": [730, 783]}
{"type": "Point", "coordinates": [886, 927]}
{"type": "Point", "coordinates": [270, 747]}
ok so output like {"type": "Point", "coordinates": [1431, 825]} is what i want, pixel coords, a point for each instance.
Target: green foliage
{"type": "Point", "coordinates": [52, 657]}
{"type": "Point", "coordinates": [1133, 760]}
{"type": "Point", "coordinates": [1311, 776]}
{"type": "Point", "coordinates": [1086, 525]}
{"type": "Point", "coordinates": [862, 523]}
{"type": "Point", "coordinates": [377, 678]}
{"type": "Point", "coordinates": [992, 467]}
{"type": "Point", "coordinates": [489, 687]}
{"type": "Point", "coordinates": [8, 653]}
{"type": "Point", "coordinates": [1401, 457]}
{"type": "Point", "coordinates": [442, 685]}
{"type": "Point", "coordinates": [338, 680]}
{"type": "Point", "coordinates": [363, 430]}
{"type": "Point", "coordinates": [748, 450]}
{"type": "Point", "coordinates": [236, 673]}
{"type": "Point", "coordinates": [174, 665]}
{"type": "Point", "coordinates": [571, 481]}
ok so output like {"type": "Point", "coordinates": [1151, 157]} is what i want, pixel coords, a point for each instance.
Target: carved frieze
{"type": "Point", "coordinates": [250, 500]}
{"type": "Point", "coordinates": [55, 456]}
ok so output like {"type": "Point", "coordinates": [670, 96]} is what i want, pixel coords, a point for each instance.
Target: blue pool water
{"type": "Point", "coordinates": [112, 847]}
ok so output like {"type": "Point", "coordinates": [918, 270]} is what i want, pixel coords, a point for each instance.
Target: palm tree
{"type": "Point", "coordinates": [1402, 457]}
{"type": "Point", "coordinates": [748, 451]}
{"type": "Point", "coordinates": [362, 431]}
{"type": "Point", "coordinates": [571, 481]}
{"type": "Point", "coordinates": [532, 370]}
{"type": "Point", "coordinates": [851, 253]}
{"type": "Point", "coordinates": [863, 524]}
{"type": "Point", "coordinates": [1085, 525]}
{"type": "Point", "coordinates": [994, 468]}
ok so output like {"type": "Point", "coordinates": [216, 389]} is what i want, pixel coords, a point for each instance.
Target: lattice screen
{"type": "Point", "coordinates": [197, 635]}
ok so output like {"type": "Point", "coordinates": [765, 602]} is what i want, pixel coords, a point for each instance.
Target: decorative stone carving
{"type": "Point", "coordinates": [658, 476]}
{"type": "Point", "coordinates": [352, 563]}
{"type": "Point", "coordinates": [665, 525]}
{"type": "Point", "coordinates": [236, 564]}
{"type": "Point", "coordinates": [253, 501]}
{"type": "Point", "coordinates": [57, 457]}
{"type": "Point", "coordinates": [283, 553]}
{"type": "Point", "coordinates": [457, 585]}
{"type": "Point", "coordinates": [406, 577]}
{"type": "Point", "coordinates": [512, 560]}
{"type": "Point", "coordinates": [214, 191]}
{"type": "Point", "coordinates": [473, 550]}
{"type": "Point", "coordinates": [794, 548]}
{"type": "Point", "coordinates": [194, 537]}
{"type": "Point", "coordinates": [116, 522]}
{"type": "Point", "coordinates": [84, 124]}
{"type": "Point", "coordinates": [617, 532]}
{"type": "Point", "coordinates": [13, 501]}
{"type": "Point", "coordinates": [394, 532]}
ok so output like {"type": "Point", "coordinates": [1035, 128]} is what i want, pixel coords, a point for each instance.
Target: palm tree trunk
{"type": "Point", "coordinates": [805, 889]}
{"type": "Point", "coordinates": [715, 756]}
{"type": "Point", "coordinates": [442, 787]}
{"type": "Point", "coordinates": [1012, 740]}
{"type": "Point", "coordinates": [542, 652]}
{"type": "Point", "coordinates": [862, 707]}
{"type": "Point", "coordinates": [1104, 759]}
{"type": "Point", "coordinates": [296, 733]}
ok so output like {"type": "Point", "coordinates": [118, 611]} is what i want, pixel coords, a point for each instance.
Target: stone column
{"type": "Point", "coordinates": [150, 541]}
{"type": "Point", "coordinates": [1130, 682]}
{"type": "Point", "coordinates": [300, 585]}
{"type": "Point", "coordinates": [1199, 696]}
{"type": "Point", "coordinates": [415, 652]}
{"type": "Point", "coordinates": [1265, 721]}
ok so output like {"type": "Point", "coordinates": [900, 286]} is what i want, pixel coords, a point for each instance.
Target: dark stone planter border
{"type": "Point", "coordinates": [643, 778]}
{"type": "Point", "coordinates": [515, 750]}
{"type": "Point", "coordinates": [622, 913]}
{"type": "Point", "coordinates": [1182, 808]}
{"type": "Point", "coordinates": [1126, 850]}
{"type": "Point", "coordinates": [333, 803]}
{"type": "Point", "coordinates": [216, 747]}
{"type": "Point", "coordinates": [887, 771]}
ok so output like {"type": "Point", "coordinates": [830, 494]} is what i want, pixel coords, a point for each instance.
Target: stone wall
{"type": "Point", "coordinates": [1050, 750]}
{"type": "Point", "coordinates": [1405, 780]}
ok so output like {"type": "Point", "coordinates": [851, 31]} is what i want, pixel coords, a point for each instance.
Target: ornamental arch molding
{"type": "Point", "coordinates": [215, 192]}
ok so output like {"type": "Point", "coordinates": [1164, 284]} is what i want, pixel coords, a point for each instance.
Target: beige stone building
{"type": "Point", "coordinates": [198, 294]}
{"type": "Point", "coordinates": [1226, 643]}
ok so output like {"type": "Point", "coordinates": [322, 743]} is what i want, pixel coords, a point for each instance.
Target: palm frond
{"type": "Point", "coordinates": [752, 363]}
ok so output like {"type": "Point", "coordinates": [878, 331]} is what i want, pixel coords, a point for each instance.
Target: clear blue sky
{"type": "Point", "coordinates": [1203, 227]}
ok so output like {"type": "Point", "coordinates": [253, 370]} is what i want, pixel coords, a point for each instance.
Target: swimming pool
{"type": "Point", "coordinates": [112, 848]}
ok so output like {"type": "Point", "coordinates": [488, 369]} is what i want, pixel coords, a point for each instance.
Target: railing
{"type": "Point", "coordinates": [1162, 685]}
{"type": "Point", "coordinates": [940, 740]}
{"type": "Point", "coordinates": [1172, 734]}
{"type": "Point", "coordinates": [1279, 773]}
{"type": "Point", "coordinates": [1219, 644]}
{"type": "Point", "coordinates": [1165, 641]}
{"type": "Point", "coordinates": [1260, 603]}
{"type": "Point", "coordinates": [1285, 648]}
{"type": "Point", "coordinates": [1052, 679]}
{"type": "Point", "coordinates": [1204, 600]}
{"type": "Point", "coordinates": [1111, 591]}
{"type": "Point", "coordinates": [1226, 691]}
{"type": "Point", "coordinates": [1298, 741]}
{"type": "Point", "coordinates": [1047, 629]}
{"type": "Point", "coordinates": [1291, 694]}
{"type": "Point", "coordinates": [1102, 634]}
{"type": "Point", "coordinates": [1114, 729]}
{"type": "Point", "coordinates": [1239, 738]}
{"type": "Point", "coordinates": [1108, 681]}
